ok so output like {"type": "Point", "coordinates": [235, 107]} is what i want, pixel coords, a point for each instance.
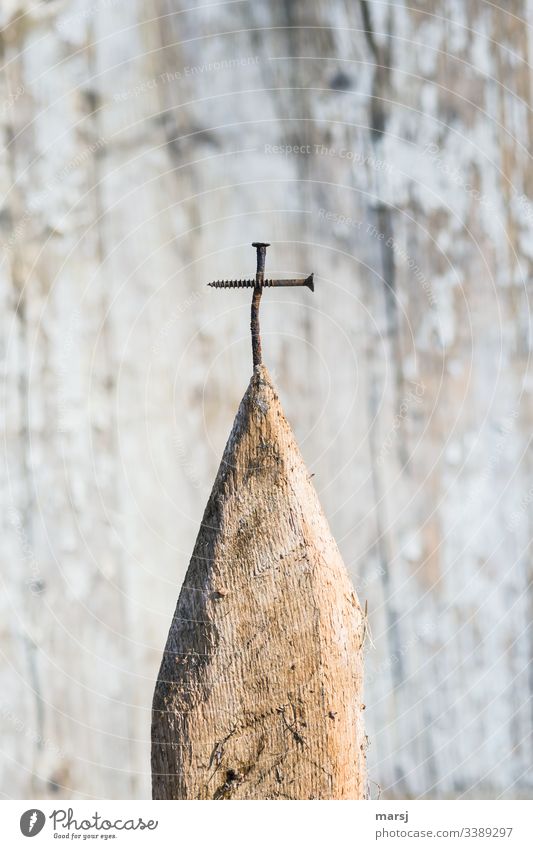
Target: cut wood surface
{"type": "Point", "coordinates": [259, 694]}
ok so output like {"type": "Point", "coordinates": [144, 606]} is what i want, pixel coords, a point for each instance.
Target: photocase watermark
{"type": "Point", "coordinates": [457, 177]}
{"type": "Point", "coordinates": [190, 470]}
{"type": "Point", "coordinates": [184, 73]}
{"type": "Point", "coordinates": [63, 23]}
{"type": "Point", "coordinates": [39, 200]}
{"type": "Point", "coordinates": [390, 242]}
{"type": "Point", "coordinates": [65, 820]}
{"type": "Point", "coordinates": [11, 100]}
{"type": "Point", "coordinates": [338, 218]}
{"type": "Point", "coordinates": [506, 429]}
{"type": "Point", "coordinates": [346, 153]}
{"type": "Point", "coordinates": [525, 205]}
{"type": "Point", "coordinates": [65, 358]}
{"type": "Point", "coordinates": [80, 158]}
{"type": "Point", "coordinates": [413, 396]}
{"type": "Point", "coordinates": [363, 583]}
{"type": "Point", "coordinates": [19, 724]}
{"type": "Point", "coordinates": [32, 822]}
{"type": "Point", "coordinates": [401, 652]}
{"type": "Point", "coordinates": [34, 582]}
{"type": "Point", "coordinates": [437, 158]}
{"type": "Point", "coordinates": [516, 516]}
{"type": "Point", "coordinates": [170, 322]}
{"type": "Point", "coordinates": [65, 824]}
{"type": "Point", "coordinates": [399, 252]}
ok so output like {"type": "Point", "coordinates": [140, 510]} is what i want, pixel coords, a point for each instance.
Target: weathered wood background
{"type": "Point", "coordinates": [144, 147]}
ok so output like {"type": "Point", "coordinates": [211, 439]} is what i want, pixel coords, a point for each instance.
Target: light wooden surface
{"type": "Point", "coordinates": [146, 147]}
{"type": "Point", "coordinates": [260, 691]}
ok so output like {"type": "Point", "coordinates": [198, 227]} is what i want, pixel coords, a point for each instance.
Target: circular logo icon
{"type": "Point", "coordinates": [32, 822]}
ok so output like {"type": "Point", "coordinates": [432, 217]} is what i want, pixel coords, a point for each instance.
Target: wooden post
{"type": "Point", "coordinates": [259, 694]}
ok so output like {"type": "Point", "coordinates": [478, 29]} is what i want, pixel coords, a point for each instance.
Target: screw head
{"type": "Point", "coordinates": [260, 244]}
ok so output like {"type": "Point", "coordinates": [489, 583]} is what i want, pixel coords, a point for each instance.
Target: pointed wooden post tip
{"type": "Point", "coordinates": [260, 689]}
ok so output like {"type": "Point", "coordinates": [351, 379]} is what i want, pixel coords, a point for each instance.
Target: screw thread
{"type": "Point", "coordinates": [238, 284]}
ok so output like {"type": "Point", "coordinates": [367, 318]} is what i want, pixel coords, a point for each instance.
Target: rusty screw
{"type": "Point", "coordinates": [258, 285]}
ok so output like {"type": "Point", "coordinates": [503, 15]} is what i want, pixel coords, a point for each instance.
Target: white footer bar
{"type": "Point", "coordinates": [254, 825]}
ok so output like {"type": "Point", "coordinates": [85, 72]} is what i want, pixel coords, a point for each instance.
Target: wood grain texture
{"type": "Point", "coordinates": [259, 694]}
{"type": "Point", "coordinates": [144, 149]}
